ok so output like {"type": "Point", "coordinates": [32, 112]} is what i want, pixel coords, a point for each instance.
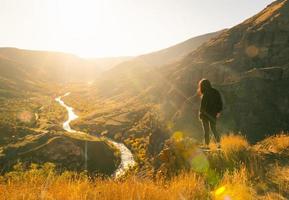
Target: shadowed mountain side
{"type": "Point", "coordinates": [259, 42]}
{"type": "Point", "coordinates": [249, 64]}
{"type": "Point", "coordinates": [66, 152]}
{"type": "Point", "coordinates": [263, 113]}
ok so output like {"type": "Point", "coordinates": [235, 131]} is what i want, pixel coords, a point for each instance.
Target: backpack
{"type": "Point", "coordinates": [218, 102]}
{"type": "Point", "coordinates": [214, 102]}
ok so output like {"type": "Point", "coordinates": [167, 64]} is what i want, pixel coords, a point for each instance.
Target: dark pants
{"type": "Point", "coordinates": [207, 124]}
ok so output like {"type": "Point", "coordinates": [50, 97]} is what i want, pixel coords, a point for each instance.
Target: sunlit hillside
{"type": "Point", "coordinates": [247, 63]}
{"type": "Point", "coordinates": [141, 72]}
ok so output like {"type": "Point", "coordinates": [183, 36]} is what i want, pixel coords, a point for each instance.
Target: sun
{"type": "Point", "coordinates": [77, 26]}
{"type": "Point", "coordinates": [84, 27]}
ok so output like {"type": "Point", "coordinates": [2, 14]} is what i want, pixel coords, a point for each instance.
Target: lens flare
{"type": "Point", "coordinates": [227, 197]}
{"type": "Point", "coordinates": [199, 162]}
{"type": "Point", "coordinates": [25, 116]}
{"type": "Point", "coordinates": [252, 51]}
{"type": "Point", "coordinates": [220, 191]}
{"type": "Point", "coordinates": [170, 125]}
{"type": "Point", "coordinates": [212, 177]}
{"type": "Point", "coordinates": [178, 136]}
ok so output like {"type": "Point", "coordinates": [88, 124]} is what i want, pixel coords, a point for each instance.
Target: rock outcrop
{"type": "Point", "coordinates": [66, 152]}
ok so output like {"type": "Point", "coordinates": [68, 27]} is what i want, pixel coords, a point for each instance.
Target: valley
{"type": "Point", "coordinates": [126, 156]}
{"type": "Point", "coordinates": [131, 124]}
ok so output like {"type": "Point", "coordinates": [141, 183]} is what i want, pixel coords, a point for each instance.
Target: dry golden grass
{"type": "Point", "coordinates": [37, 184]}
{"type": "Point", "coordinates": [272, 196]}
{"type": "Point", "coordinates": [227, 178]}
{"type": "Point", "coordinates": [187, 186]}
{"type": "Point", "coordinates": [274, 144]}
{"type": "Point", "coordinates": [279, 175]}
{"type": "Point", "coordinates": [234, 143]}
{"type": "Point", "coordinates": [235, 186]}
{"type": "Point", "coordinates": [235, 151]}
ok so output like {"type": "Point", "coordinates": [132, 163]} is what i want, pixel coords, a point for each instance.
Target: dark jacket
{"type": "Point", "coordinates": [211, 104]}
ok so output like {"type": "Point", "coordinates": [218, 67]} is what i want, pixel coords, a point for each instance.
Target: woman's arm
{"type": "Point", "coordinates": [203, 107]}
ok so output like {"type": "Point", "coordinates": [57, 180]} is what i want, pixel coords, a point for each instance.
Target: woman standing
{"type": "Point", "coordinates": [210, 109]}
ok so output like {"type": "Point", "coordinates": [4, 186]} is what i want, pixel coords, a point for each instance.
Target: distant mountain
{"type": "Point", "coordinates": [21, 68]}
{"type": "Point", "coordinates": [56, 66]}
{"type": "Point", "coordinates": [167, 56]}
{"type": "Point", "coordinates": [25, 70]}
{"type": "Point", "coordinates": [107, 63]}
{"type": "Point", "coordinates": [177, 52]}
{"type": "Point", "coordinates": [14, 79]}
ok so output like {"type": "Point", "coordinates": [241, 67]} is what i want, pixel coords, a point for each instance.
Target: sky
{"type": "Point", "coordinates": [109, 28]}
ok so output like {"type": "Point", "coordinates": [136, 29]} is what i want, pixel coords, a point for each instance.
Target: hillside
{"type": "Point", "coordinates": [14, 79]}
{"type": "Point", "coordinates": [171, 54]}
{"type": "Point", "coordinates": [247, 63]}
{"type": "Point", "coordinates": [31, 131]}
{"type": "Point", "coordinates": [138, 73]}
{"type": "Point", "coordinates": [31, 120]}
{"type": "Point", "coordinates": [259, 42]}
{"type": "Point", "coordinates": [108, 63]}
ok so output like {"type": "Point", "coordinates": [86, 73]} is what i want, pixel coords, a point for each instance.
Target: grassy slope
{"type": "Point", "coordinates": [31, 131]}
{"type": "Point", "coordinates": [241, 172]}
{"type": "Point", "coordinates": [31, 120]}
{"type": "Point", "coordinates": [122, 118]}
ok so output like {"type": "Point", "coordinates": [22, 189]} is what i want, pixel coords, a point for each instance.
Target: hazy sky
{"type": "Point", "coordinates": [97, 28]}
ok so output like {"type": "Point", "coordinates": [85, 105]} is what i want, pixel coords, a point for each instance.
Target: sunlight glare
{"type": "Point", "coordinates": [220, 191]}
{"type": "Point", "coordinates": [84, 27]}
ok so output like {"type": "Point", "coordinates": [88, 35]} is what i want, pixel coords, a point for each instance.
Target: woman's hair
{"type": "Point", "coordinates": [204, 85]}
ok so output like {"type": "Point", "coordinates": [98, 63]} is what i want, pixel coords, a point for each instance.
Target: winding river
{"type": "Point", "coordinates": [127, 159]}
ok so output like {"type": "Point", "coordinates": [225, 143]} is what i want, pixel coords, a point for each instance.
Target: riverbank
{"type": "Point", "coordinates": [127, 159]}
